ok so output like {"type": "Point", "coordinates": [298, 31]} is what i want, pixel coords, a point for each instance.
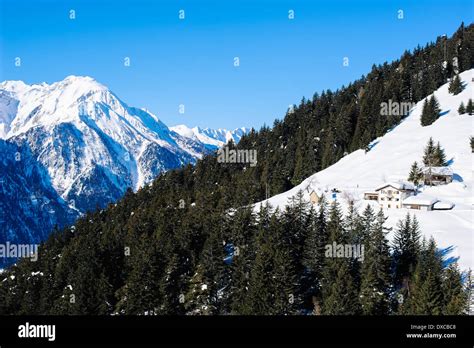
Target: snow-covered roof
{"type": "Point", "coordinates": [399, 185]}
{"type": "Point", "coordinates": [438, 170]}
{"type": "Point", "coordinates": [443, 205]}
{"type": "Point", "coordinates": [420, 199]}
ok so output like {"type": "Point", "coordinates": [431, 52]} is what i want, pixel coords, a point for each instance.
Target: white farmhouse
{"type": "Point", "coordinates": [420, 202]}
{"type": "Point", "coordinates": [392, 194]}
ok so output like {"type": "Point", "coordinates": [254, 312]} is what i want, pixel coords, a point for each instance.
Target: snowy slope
{"type": "Point", "coordinates": [214, 138]}
{"type": "Point", "coordinates": [390, 158]}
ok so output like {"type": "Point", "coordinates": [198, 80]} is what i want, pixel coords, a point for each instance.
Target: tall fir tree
{"type": "Point", "coordinates": [470, 107]}
{"type": "Point", "coordinates": [430, 111]}
{"type": "Point", "coordinates": [314, 256]}
{"type": "Point", "coordinates": [260, 294]}
{"type": "Point", "coordinates": [439, 156]}
{"type": "Point", "coordinates": [456, 294]}
{"type": "Point", "coordinates": [425, 114]}
{"type": "Point", "coordinates": [416, 175]}
{"type": "Point", "coordinates": [375, 273]}
{"type": "Point", "coordinates": [338, 288]}
{"type": "Point", "coordinates": [429, 159]}
{"type": "Point", "coordinates": [406, 247]}
{"type": "Point", "coordinates": [434, 108]}
{"type": "Point", "coordinates": [243, 235]}
{"type": "Point", "coordinates": [283, 279]}
{"type": "Point", "coordinates": [426, 296]}
{"type": "Point", "coordinates": [455, 86]}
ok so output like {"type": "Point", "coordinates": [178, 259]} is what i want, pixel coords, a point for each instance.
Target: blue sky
{"type": "Point", "coordinates": [191, 61]}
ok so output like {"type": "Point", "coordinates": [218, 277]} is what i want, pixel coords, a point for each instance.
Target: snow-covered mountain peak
{"type": "Point", "coordinates": [86, 136]}
{"type": "Point", "coordinates": [13, 86]}
{"type": "Point", "coordinates": [79, 79]}
{"type": "Point", "coordinates": [214, 138]}
{"type": "Point", "coordinates": [79, 85]}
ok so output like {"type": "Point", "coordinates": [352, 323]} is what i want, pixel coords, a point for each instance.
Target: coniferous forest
{"type": "Point", "coordinates": [192, 243]}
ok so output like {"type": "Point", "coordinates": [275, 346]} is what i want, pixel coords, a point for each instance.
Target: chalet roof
{"type": "Point", "coordinates": [420, 199]}
{"type": "Point", "coordinates": [443, 205]}
{"type": "Point", "coordinates": [438, 171]}
{"type": "Point", "coordinates": [399, 185]}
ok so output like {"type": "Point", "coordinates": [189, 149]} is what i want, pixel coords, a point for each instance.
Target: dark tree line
{"type": "Point", "coordinates": [238, 262]}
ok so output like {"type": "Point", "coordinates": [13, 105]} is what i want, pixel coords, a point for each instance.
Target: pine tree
{"type": "Point", "coordinates": [204, 296]}
{"type": "Point", "coordinates": [243, 234]}
{"type": "Point", "coordinates": [406, 246]}
{"type": "Point", "coordinates": [416, 175]}
{"type": "Point", "coordinates": [260, 294]}
{"type": "Point", "coordinates": [470, 107]}
{"type": "Point", "coordinates": [455, 86]}
{"type": "Point", "coordinates": [357, 230]}
{"type": "Point", "coordinates": [354, 224]}
{"type": "Point", "coordinates": [426, 297]}
{"type": "Point", "coordinates": [429, 154]}
{"type": "Point", "coordinates": [140, 295]}
{"type": "Point", "coordinates": [298, 174]}
{"type": "Point", "coordinates": [434, 108]}
{"type": "Point", "coordinates": [461, 109]}
{"type": "Point", "coordinates": [439, 156]}
{"type": "Point", "coordinates": [200, 300]}
{"type": "Point", "coordinates": [296, 224]}
{"type": "Point", "coordinates": [375, 272]}
{"type": "Point", "coordinates": [259, 300]}
{"type": "Point", "coordinates": [456, 299]}
{"type": "Point", "coordinates": [239, 285]}
{"type": "Point", "coordinates": [425, 114]}
{"type": "Point", "coordinates": [172, 287]}
{"type": "Point", "coordinates": [430, 111]}
{"type": "Point", "coordinates": [471, 141]}
{"type": "Point", "coordinates": [313, 255]}
{"type": "Point", "coordinates": [284, 280]}
{"type": "Point", "coordinates": [338, 289]}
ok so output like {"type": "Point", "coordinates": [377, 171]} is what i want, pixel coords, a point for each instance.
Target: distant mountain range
{"type": "Point", "coordinates": [213, 138]}
{"type": "Point", "coordinates": [74, 145]}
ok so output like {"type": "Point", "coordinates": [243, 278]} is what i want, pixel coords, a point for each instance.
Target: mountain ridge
{"type": "Point", "coordinates": [91, 145]}
{"type": "Point", "coordinates": [215, 138]}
